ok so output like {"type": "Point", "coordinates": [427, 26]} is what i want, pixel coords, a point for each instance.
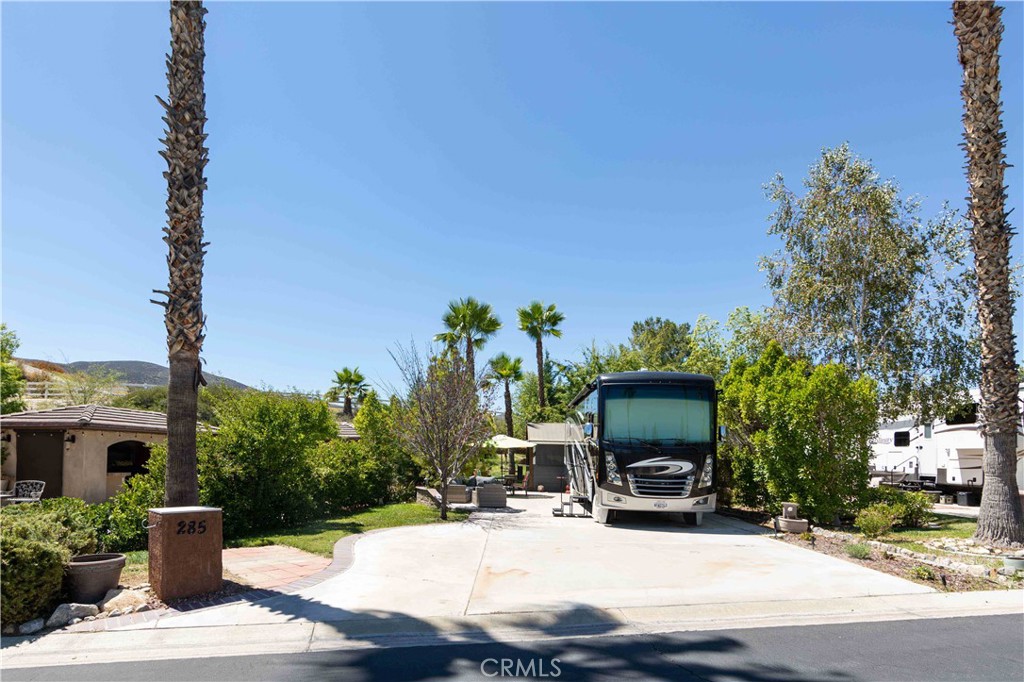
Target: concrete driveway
{"type": "Point", "coordinates": [527, 560]}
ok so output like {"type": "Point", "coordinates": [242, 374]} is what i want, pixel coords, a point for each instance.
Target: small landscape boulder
{"type": "Point", "coordinates": [122, 600]}
{"type": "Point", "coordinates": [32, 627]}
{"type": "Point", "coordinates": [66, 612]}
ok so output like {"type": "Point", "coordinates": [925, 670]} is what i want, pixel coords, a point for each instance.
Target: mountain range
{"type": "Point", "coordinates": [132, 371]}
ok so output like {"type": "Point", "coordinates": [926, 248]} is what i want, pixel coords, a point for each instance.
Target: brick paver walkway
{"type": "Point", "coordinates": [271, 571]}
{"type": "Point", "coordinates": [272, 566]}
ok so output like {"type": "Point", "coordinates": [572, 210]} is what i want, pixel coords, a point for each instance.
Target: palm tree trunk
{"type": "Point", "coordinates": [186, 157]}
{"type": "Point", "coordinates": [182, 483]}
{"type": "Point", "coordinates": [470, 360]}
{"type": "Point", "coordinates": [540, 373]}
{"type": "Point", "coordinates": [978, 28]}
{"type": "Point", "coordinates": [509, 427]}
{"type": "Point", "coordinates": [347, 407]}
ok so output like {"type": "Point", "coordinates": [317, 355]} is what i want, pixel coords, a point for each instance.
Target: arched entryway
{"type": "Point", "coordinates": [128, 457]}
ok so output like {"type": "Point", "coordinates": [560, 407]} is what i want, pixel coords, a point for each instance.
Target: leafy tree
{"type": "Point", "coordinates": [470, 322]}
{"type": "Point", "coordinates": [154, 399]}
{"type": "Point", "coordinates": [707, 349]}
{"type": "Point", "coordinates": [186, 157]}
{"type": "Point", "coordinates": [662, 344]}
{"type": "Point", "coordinates": [12, 382]}
{"type": "Point", "coordinates": [441, 419]}
{"type": "Point", "coordinates": [395, 471]}
{"type": "Point", "coordinates": [797, 433]}
{"type": "Point", "coordinates": [539, 321]}
{"type": "Point", "coordinates": [861, 280]}
{"type": "Point", "coordinates": [348, 384]}
{"type": "Point", "coordinates": [574, 376]}
{"type": "Point", "coordinates": [96, 386]}
{"type": "Point", "coordinates": [978, 27]}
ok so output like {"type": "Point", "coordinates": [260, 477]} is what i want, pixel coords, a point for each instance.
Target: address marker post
{"type": "Point", "coordinates": [185, 546]}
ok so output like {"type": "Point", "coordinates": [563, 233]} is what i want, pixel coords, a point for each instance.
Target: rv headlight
{"type": "Point", "coordinates": [612, 468]}
{"type": "Point", "coordinates": [707, 475]}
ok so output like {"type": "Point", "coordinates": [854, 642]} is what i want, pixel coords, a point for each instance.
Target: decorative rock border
{"type": "Point", "coordinates": [977, 570]}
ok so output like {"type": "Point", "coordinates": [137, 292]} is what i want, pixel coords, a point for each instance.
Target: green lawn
{"type": "Point", "coordinates": [318, 537]}
{"type": "Point", "coordinates": [948, 527]}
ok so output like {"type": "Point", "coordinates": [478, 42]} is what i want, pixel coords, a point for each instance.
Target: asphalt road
{"type": "Point", "coordinates": [987, 648]}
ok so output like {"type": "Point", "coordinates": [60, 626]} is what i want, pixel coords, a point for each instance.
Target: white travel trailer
{"type": "Point", "coordinates": [945, 454]}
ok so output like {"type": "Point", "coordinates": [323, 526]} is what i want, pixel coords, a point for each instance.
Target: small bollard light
{"type": "Point", "coordinates": [813, 539]}
{"type": "Point", "coordinates": [942, 577]}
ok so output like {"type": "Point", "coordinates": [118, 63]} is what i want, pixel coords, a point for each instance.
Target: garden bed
{"type": "Point", "coordinates": [899, 564]}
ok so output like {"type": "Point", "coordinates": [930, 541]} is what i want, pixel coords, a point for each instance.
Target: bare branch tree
{"type": "Point", "coordinates": [442, 416]}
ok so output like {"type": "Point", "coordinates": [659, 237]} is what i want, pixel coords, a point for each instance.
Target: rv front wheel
{"type": "Point", "coordinates": [694, 518]}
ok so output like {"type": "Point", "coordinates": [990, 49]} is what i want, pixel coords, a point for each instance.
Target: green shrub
{"type": "Point", "coordinates": [339, 471]}
{"type": "Point", "coordinates": [921, 572]}
{"type": "Point", "coordinates": [129, 509]}
{"type": "Point", "coordinates": [65, 521]}
{"type": "Point", "coordinates": [859, 551]}
{"type": "Point", "coordinates": [255, 467]}
{"type": "Point", "coordinates": [801, 433]}
{"type": "Point", "coordinates": [37, 541]}
{"type": "Point", "coordinates": [31, 572]}
{"type": "Point", "coordinates": [875, 521]}
{"type": "Point", "coordinates": [910, 509]}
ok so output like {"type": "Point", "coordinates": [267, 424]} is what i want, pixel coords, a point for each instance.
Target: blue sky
{"type": "Point", "coordinates": [371, 162]}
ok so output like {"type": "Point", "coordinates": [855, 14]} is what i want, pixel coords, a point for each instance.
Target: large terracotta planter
{"type": "Point", "coordinates": [90, 576]}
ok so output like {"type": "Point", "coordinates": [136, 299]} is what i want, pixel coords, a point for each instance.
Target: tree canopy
{"type": "Point", "coordinates": [863, 281]}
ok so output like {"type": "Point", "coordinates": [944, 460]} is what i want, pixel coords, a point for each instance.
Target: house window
{"type": "Point", "coordinates": [901, 439]}
{"type": "Point", "coordinates": [127, 457]}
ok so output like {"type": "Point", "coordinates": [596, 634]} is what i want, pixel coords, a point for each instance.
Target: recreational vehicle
{"type": "Point", "coordinates": [945, 454]}
{"type": "Point", "coordinates": [643, 441]}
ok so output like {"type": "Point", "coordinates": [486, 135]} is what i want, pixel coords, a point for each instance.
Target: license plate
{"type": "Point", "coordinates": [661, 505]}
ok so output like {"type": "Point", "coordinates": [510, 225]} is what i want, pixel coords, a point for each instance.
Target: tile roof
{"type": "Point", "coordinates": [95, 417]}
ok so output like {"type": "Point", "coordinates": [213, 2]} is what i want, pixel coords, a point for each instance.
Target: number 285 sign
{"type": "Point", "coordinates": [192, 527]}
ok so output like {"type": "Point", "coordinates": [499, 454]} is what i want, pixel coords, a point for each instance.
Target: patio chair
{"type": "Point", "coordinates": [27, 492]}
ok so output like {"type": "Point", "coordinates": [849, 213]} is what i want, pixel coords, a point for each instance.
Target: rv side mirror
{"type": "Point", "coordinates": [588, 429]}
{"type": "Point", "coordinates": [721, 432]}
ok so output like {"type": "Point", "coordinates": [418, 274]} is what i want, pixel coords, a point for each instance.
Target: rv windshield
{"type": "Point", "coordinates": [657, 413]}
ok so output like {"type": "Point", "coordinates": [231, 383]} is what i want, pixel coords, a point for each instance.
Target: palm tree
{"type": "Point", "coordinates": [348, 384]}
{"type": "Point", "coordinates": [978, 27]}
{"type": "Point", "coordinates": [186, 157]}
{"type": "Point", "coordinates": [538, 322]}
{"type": "Point", "coordinates": [508, 370]}
{"type": "Point", "coordinates": [469, 321]}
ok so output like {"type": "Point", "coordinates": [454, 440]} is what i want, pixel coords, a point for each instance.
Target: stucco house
{"type": "Point", "coordinates": [83, 451]}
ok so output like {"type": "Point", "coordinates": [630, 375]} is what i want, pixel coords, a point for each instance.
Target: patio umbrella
{"type": "Point", "coordinates": [508, 443]}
